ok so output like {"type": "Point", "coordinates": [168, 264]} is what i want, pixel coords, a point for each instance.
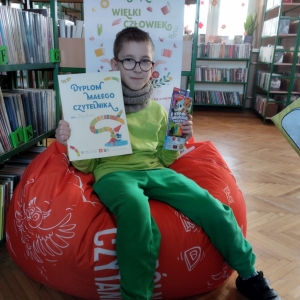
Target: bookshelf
{"type": "Point", "coordinates": [221, 82]}
{"type": "Point", "coordinates": [29, 48]}
{"type": "Point", "coordinates": [221, 75]}
{"type": "Point", "coordinates": [43, 64]}
{"type": "Point", "coordinates": [277, 82]}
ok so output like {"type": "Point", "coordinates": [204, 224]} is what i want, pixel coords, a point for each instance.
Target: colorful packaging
{"type": "Point", "coordinates": [180, 107]}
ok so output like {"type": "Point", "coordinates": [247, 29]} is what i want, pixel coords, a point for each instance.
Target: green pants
{"type": "Point", "coordinates": [126, 195]}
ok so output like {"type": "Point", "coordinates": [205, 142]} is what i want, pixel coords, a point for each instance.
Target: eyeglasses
{"type": "Point", "coordinates": [130, 64]}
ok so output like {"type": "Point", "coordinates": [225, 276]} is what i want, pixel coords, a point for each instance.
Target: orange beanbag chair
{"type": "Point", "coordinates": [60, 234]}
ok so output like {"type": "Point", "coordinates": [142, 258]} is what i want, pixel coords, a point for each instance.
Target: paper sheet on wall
{"type": "Point", "coordinates": [162, 19]}
{"type": "Point", "coordinates": [288, 122]}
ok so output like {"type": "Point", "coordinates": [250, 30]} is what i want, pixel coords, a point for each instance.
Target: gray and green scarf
{"type": "Point", "coordinates": [137, 100]}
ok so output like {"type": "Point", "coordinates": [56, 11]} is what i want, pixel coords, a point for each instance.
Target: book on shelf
{"type": "Point", "coordinates": [270, 27]}
{"type": "Point", "coordinates": [201, 38]}
{"type": "Point", "coordinates": [70, 29]}
{"type": "Point", "coordinates": [93, 105]}
{"type": "Point", "coordinates": [1, 213]}
{"type": "Point", "coordinates": [79, 28]}
{"type": "Point", "coordinates": [40, 108]}
{"type": "Point", "coordinates": [63, 27]}
{"type": "Point", "coordinates": [10, 175]}
{"type": "Point", "coordinates": [238, 39]}
{"type": "Point", "coordinates": [264, 79]}
{"type": "Point", "coordinates": [224, 50]}
{"type": "Point", "coordinates": [210, 38]}
{"type": "Point", "coordinates": [69, 17]}
{"type": "Point", "coordinates": [275, 84]}
{"type": "Point", "coordinates": [42, 11]}
{"type": "Point", "coordinates": [284, 25]}
{"type": "Point", "coordinates": [278, 55]}
{"type": "Point", "coordinates": [205, 73]}
{"type": "Point", "coordinates": [24, 107]}
{"type": "Point", "coordinates": [266, 53]}
{"type": "Point", "coordinates": [265, 106]}
{"type": "Point", "coordinates": [180, 107]}
{"type": "Point", "coordinates": [225, 39]}
{"type": "Point", "coordinates": [218, 39]}
{"type": "Point", "coordinates": [27, 35]}
{"type": "Point", "coordinates": [5, 128]}
{"type": "Point", "coordinates": [217, 97]}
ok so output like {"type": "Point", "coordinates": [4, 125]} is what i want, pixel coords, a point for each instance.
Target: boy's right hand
{"type": "Point", "coordinates": [62, 132]}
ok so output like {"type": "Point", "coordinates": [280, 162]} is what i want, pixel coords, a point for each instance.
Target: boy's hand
{"type": "Point", "coordinates": [62, 132]}
{"type": "Point", "coordinates": [187, 127]}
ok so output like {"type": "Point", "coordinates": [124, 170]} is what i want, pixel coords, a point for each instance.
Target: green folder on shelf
{"type": "Point", "coordinates": [288, 122]}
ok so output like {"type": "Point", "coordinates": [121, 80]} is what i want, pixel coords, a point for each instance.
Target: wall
{"type": "Point", "coordinates": [259, 9]}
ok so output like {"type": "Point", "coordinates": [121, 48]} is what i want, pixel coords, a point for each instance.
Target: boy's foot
{"type": "Point", "coordinates": [256, 288]}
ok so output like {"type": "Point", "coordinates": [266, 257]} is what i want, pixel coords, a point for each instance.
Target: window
{"type": "Point", "coordinates": [232, 16]}
{"type": "Point", "coordinates": [189, 17]}
{"type": "Point", "coordinates": [225, 18]}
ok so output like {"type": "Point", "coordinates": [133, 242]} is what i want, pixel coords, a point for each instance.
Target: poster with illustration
{"type": "Point", "coordinates": [93, 105]}
{"type": "Point", "coordinates": [288, 122]}
{"type": "Point", "coordinates": [163, 20]}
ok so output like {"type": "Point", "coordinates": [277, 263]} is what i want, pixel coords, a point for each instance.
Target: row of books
{"type": "Point", "coordinates": [27, 35]}
{"type": "Point", "coordinates": [223, 50]}
{"type": "Point", "coordinates": [24, 107]}
{"type": "Point", "coordinates": [264, 79]}
{"type": "Point", "coordinates": [69, 17]}
{"type": "Point", "coordinates": [266, 54]}
{"type": "Point", "coordinates": [69, 29]}
{"type": "Point", "coordinates": [216, 39]}
{"type": "Point", "coordinates": [217, 98]}
{"type": "Point", "coordinates": [262, 102]}
{"type": "Point", "coordinates": [276, 26]}
{"type": "Point", "coordinates": [10, 174]}
{"type": "Point", "coordinates": [269, 107]}
{"type": "Point", "coordinates": [72, 5]}
{"type": "Point", "coordinates": [206, 73]}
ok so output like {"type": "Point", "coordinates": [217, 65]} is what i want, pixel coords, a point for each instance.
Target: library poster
{"type": "Point", "coordinates": [288, 122]}
{"type": "Point", "coordinates": [93, 105]}
{"type": "Point", "coordinates": [163, 20]}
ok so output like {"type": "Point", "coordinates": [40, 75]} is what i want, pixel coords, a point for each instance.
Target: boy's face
{"type": "Point", "coordinates": [135, 79]}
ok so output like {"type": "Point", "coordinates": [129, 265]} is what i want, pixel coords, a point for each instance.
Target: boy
{"type": "Point", "coordinates": [144, 174]}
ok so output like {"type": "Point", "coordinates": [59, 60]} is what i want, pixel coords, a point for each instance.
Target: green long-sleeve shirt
{"type": "Point", "coordinates": [147, 129]}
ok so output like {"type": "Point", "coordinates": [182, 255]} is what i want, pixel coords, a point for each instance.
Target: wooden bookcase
{"type": "Point", "coordinates": [277, 81]}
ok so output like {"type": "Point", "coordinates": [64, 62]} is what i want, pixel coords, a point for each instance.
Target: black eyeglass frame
{"type": "Point", "coordinates": [136, 62]}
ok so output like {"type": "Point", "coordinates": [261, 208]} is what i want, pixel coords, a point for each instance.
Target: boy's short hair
{"type": "Point", "coordinates": [131, 34]}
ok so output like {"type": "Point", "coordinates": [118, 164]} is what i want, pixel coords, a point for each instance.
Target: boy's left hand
{"type": "Point", "coordinates": [187, 127]}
